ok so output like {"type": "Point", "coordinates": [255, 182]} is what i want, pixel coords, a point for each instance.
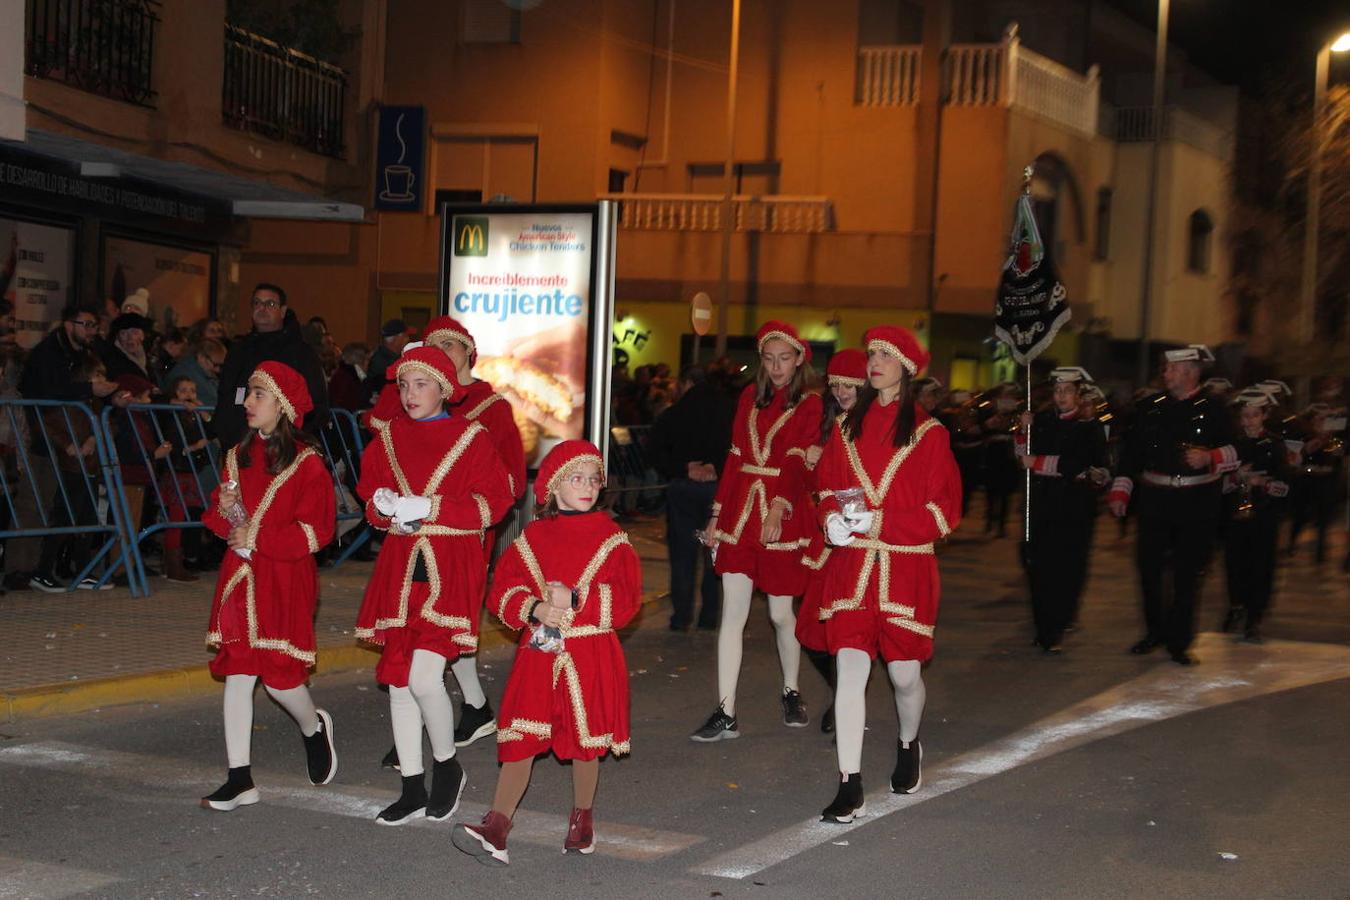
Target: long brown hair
{"type": "Point", "coordinates": [802, 379]}
{"type": "Point", "coordinates": [281, 448]}
{"type": "Point", "coordinates": [904, 422]}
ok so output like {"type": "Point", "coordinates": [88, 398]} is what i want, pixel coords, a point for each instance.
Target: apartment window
{"type": "Point", "coordinates": [1103, 249]}
{"type": "Point", "coordinates": [618, 180]}
{"type": "Point", "coordinates": [1201, 233]}
{"type": "Point", "coordinates": [488, 22]}
{"type": "Point", "coordinates": [885, 23]}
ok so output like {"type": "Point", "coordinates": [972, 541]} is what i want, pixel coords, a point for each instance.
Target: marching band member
{"type": "Point", "coordinates": [275, 507]}
{"type": "Point", "coordinates": [844, 376]}
{"type": "Point", "coordinates": [1315, 492]}
{"type": "Point", "coordinates": [759, 525]}
{"type": "Point", "coordinates": [433, 481]}
{"type": "Point", "coordinates": [881, 582]}
{"type": "Point", "coordinates": [1177, 450]}
{"type": "Point", "coordinates": [568, 582]}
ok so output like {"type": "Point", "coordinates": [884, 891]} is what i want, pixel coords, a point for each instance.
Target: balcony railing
{"type": "Point", "coordinates": [1008, 74]}
{"type": "Point", "coordinates": [888, 75]}
{"type": "Point", "coordinates": [1136, 124]}
{"type": "Point", "coordinates": [282, 93]}
{"type": "Point", "coordinates": [778, 214]}
{"type": "Point", "coordinates": [105, 47]}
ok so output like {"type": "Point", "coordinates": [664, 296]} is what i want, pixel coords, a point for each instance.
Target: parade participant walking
{"type": "Point", "coordinates": [1178, 448]}
{"type": "Point", "coordinates": [1254, 496]}
{"type": "Point", "coordinates": [881, 583]}
{"type": "Point", "coordinates": [275, 508]}
{"type": "Point", "coordinates": [1066, 456]}
{"type": "Point", "coordinates": [433, 481]}
{"type": "Point", "coordinates": [844, 376]}
{"type": "Point", "coordinates": [1000, 465]}
{"type": "Point", "coordinates": [759, 526]}
{"type": "Point", "coordinates": [568, 582]}
{"type": "Point", "coordinates": [1316, 485]}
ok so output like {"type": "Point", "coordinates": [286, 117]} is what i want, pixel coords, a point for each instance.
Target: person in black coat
{"type": "Point", "coordinates": [123, 353]}
{"type": "Point", "coordinates": [688, 445]}
{"type": "Point", "coordinates": [275, 336]}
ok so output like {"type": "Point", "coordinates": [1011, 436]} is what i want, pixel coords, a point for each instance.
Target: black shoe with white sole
{"type": "Point", "coordinates": [411, 804]}
{"type": "Point", "coordinates": [827, 721]}
{"type": "Point", "coordinates": [447, 786]}
{"type": "Point", "coordinates": [848, 802]}
{"type": "Point", "coordinates": [46, 583]}
{"type": "Point", "coordinates": [320, 753]}
{"type": "Point", "coordinates": [474, 722]}
{"type": "Point", "coordinates": [794, 710]}
{"type": "Point", "coordinates": [908, 774]}
{"type": "Point", "coordinates": [237, 791]}
{"type": "Point", "coordinates": [719, 727]}
{"type": "Point", "coordinates": [390, 760]}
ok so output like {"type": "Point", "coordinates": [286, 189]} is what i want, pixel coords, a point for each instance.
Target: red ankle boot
{"type": "Point", "coordinates": [485, 842]}
{"type": "Point", "coordinates": [580, 834]}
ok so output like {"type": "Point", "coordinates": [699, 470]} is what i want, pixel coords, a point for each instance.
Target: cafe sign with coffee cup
{"type": "Point", "coordinates": [400, 155]}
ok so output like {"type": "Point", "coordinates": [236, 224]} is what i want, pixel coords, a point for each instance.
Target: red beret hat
{"type": "Point", "coordinates": [848, 366]}
{"type": "Point", "coordinates": [784, 332]}
{"type": "Point", "coordinates": [560, 462]}
{"type": "Point", "coordinates": [135, 384]}
{"type": "Point", "coordinates": [444, 326]}
{"type": "Point", "coordinates": [429, 361]}
{"type": "Point", "coordinates": [288, 386]}
{"type": "Point", "coordinates": [900, 343]}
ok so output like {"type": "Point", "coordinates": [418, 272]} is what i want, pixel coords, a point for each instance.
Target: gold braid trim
{"type": "Point", "coordinates": [270, 385]}
{"type": "Point", "coordinates": [876, 495]}
{"type": "Point", "coordinates": [484, 513]}
{"type": "Point", "coordinates": [943, 528]}
{"type": "Point", "coordinates": [506, 597]}
{"type": "Point", "coordinates": [891, 349]}
{"type": "Point", "coordinates": [431, 372]}
{"type": "Point", "coordinates": [277, 483]}
{"type": "Point", "coordinates": [311, 539]}
{"type": "Point", "coordinates": [819, 562]}
{"type": "Point", "coordinates": [422, 546]}
{"type": "Point", "coordinates": [244, 574]}
{"type": "Point", "coordinates": [482, 407]}
{"type": "Point", "coordinates": [564, 667]}
{"type": "Point", "coordinates": [846, 380]}
{"type": "Point", "coordinates": [448, 461]}
{"type": "Point", "coordinates": [911, 625]}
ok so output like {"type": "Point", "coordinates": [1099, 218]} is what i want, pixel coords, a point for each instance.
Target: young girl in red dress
{"type": "Point", "coordinates": [845, 374]}
{"type": "Point", "coordinates": [276, 508]}
{"type": "Point", "coordinates": [433, 482]}
{"type": "Point", "coordinates": [880, 585]}
{"type": "Point", "coordinates": [760, 524]}
{"type": "Point", "coordinates": [572, 571]}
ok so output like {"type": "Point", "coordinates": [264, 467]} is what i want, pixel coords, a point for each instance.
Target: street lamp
{"type": "Point", "coordinates": [1313, 226]}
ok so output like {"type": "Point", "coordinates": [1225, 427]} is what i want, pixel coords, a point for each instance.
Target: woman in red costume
{"type": "Point", "coordinates": [760, 523]}
{"type": "Point", "coordinates": [432, 480]}
{"type": "Point", "coordinates": [880, 592]}
{"type": "Point", "coordinates": [569, 582]}
{"type": "Point", "coordinates": [275, 507]}
{"type": "Point", "coordinates": [846, 373]}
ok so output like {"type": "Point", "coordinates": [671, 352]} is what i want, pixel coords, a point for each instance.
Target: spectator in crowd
{"type": "Point", "coordinates": [171, 349]}
{"type": "Point", "coordinates": [345, 389]}
{"type": "Point", "coordinates": [137, 303]}
{"type": "Point", "coordinates": [688, 445]}
{"type": "Point", "coordinates": [321, 339]}
{"type": "Point", "coordinates": [208, 329]}
{"type": "Point", "coordinates": [275, 336]}
{"type": "Point", "coordinates": [123, 353]}
{"type": "Point", "coordinates": [187, 479]}
{"type": "Point", "coordinates": [203, 367]}
{"type": "Point", "coordinates": [393, 336]}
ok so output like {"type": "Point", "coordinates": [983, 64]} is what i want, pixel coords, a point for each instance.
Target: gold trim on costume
{"type": "Point", "coordinates": [938, 517]}
{"type": "Point", "coordinates": [481, 408]}
{"type": "Point", "coordinates": [270, 385]}
{"type": "Point", "coordinates": [888, 347]}
{"type": "Point", "coordinates": [431, 372]}
{"type": "Point", "coordinates": [311, 539]}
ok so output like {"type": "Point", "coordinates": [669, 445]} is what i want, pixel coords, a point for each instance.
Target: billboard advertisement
{"type": "Point", "coordinates": [534, 285]}
{"type": "Point", "coordinates": [177, 279]}
{"type": "Point", "coordinates": [35, 274]}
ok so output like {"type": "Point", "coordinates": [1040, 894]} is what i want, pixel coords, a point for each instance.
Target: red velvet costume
{"type": "Point", "coordinates": [451, 461]}
{"type": "Point", "coordinates": [575, 702]}
{"type": "Point", "coordinates": [767, 461]}
{"type": "Point", "coordinates": [262, 616]}
{"type": "Point", "coordinates": [388, 407]}
{"type": "Point", "coordinates": [479, 403]}
{"type": "Point", "coordinates": [881, 591]}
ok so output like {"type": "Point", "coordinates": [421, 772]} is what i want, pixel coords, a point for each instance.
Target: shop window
{"type": "Point", "coordinates": [1201, 234]}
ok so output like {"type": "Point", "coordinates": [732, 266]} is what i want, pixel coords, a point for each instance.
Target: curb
{"type": "Point", "coordinates": [50, 700]}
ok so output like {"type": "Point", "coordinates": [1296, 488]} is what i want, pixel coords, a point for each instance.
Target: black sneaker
{"type": "Point", "coordinates": [92, 584]}
{"type": "Point", "coordinates": [1182, 658]}
{"type": "Point", "coordinates": [908, 774]}
{"type": "Point", "coordinates": [447, 786]}
{"type": "Point", "coordinates": [320, 754]}
{"type": "Point", "coordinates": [719, 727]}
{"type": "Point", "coordinates": [237, 791]}
{"type": "Point", "coordinates": [848, 802]}
{"type": "Point", "coordinates": [794, 710]}
{"type": "Point", "coordinates": [1145, 645]}
{"type": "Point", "coordinates": [390, 760]}
{"type": "Point", "coordinates": [827, 721]}
{"type": "Point", "coordinates": [474, 722]}
{"type": "Point", "coordinates": [411, 804]}
{"type": "Point", "coordinates": [47, 584]}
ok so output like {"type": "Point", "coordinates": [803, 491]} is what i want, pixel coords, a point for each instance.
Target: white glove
{"type": "Point", "coordinates": [386, 501]}
{"type": "Point", "coordinates": [837, 530]}
{"type": "Point", "coordinates": [860, 522]}
{"type": "Point", "coordinates": [411, 509]}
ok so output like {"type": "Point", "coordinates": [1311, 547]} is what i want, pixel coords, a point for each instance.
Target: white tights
{"type": "Point", "coordinates": [737, 590]}
{"type": "Point", "coordinates": [423, 702]}
{"type": "Point", "coordinates": [239, 714]}
{"type": "Point", "coordinates": [850, 703]}
{"type": "Point", "coordinates": [465, 670]}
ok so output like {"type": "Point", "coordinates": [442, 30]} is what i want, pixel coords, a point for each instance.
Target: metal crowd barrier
{"type": "Point", "coordinates": [41, 435]}
{"type": "Point", "coordinates": [631, 477]}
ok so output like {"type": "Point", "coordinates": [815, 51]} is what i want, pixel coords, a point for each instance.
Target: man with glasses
{"type": "Point", "coordinates": [203, 367]}
{"type": "Point", "coordinates": [275, 336]}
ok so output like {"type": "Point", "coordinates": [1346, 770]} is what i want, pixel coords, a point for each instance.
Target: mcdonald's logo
{"type": "Point", "coordinates": [471, 236]}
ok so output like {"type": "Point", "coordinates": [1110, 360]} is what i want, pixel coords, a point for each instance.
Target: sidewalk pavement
{"type": "Point", "coordinates": [66, 653]}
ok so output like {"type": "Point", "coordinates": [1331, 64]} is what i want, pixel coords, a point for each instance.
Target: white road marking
{"type": "Point", "coordinates": [1228, 673]}
{"type": "Point", "coordinates": [39, 881]}
{"type": "Point", "coordinates": [173, 779]}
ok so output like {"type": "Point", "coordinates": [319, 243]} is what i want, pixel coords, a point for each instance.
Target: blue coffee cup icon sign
{"type": "Point", "coordinates": [398, 183]}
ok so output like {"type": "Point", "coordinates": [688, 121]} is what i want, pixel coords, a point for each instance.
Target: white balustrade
{"type": "Point", "coordinates": [1136, 124]}
{"type": "Point", "coordinates": [776, 214]}
{"type": "Point", "coordinates": [888, 75]}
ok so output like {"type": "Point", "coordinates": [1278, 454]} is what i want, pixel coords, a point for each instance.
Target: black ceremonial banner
{"type": "Point", "coordinates": [1032, 304]}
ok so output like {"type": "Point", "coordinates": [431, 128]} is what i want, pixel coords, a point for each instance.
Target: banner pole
{"type": "Point", "coordinates": [1026, 500]}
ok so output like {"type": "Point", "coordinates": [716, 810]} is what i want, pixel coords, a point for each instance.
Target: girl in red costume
{"type": "Point", "coordinates": [572, 571]}
{"type": "Point", "coordinates": [432, 480]}
{"type": "Point", "coordinates": [880, 591]}
{"type": "Point", "coordinates": [275, 508]}
{"type": "Point", "coordinates": [760, 523]}
{"type": "Point", "coordinates": [846, 373]}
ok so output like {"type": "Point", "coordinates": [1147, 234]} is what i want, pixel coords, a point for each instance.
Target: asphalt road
{"type": "Point", "coordinates": [1091, 774]}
